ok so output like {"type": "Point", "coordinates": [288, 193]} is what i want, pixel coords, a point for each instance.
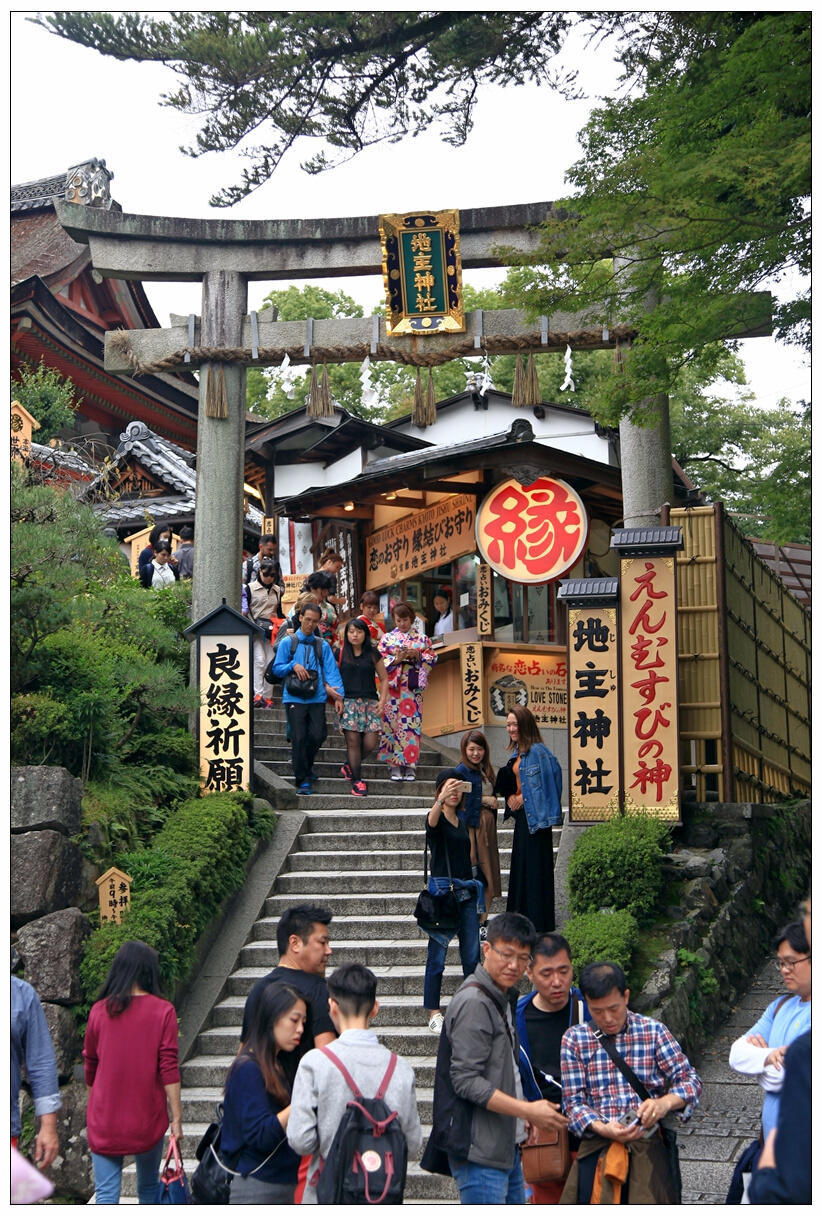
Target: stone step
{"type": "Point", "coordinates": [400, 952]}
{"type": "Point", "coordinates": [206, 1074]}
{"type": "Point", "coordinates": [409, 858]}
{"type": "Point", "coordinates": [327, 764]}
{"type": "Point", "coordinates": [392, 978]}
{"type": "Point", "coordinates": [379, 789]}
{"type": "Point", "coordinates": [199, 1109]}
{"type": "Point", "coordinates": [395, 926]}
{"type": "Point", "coordinates": [320, 882]}
{"type": "Point", "coordinates": [373, 841]}
{"type": "Point", "coordinates": [405, 799]}
{"type": "Point", "coordinates": [407, 1041]}
{"type": "Point", "coordinates": [395, 1010]}
{"type": "Point", "coordinates": [420, 1187]}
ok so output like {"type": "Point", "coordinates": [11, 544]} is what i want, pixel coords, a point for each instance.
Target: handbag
{"type": "Point", "coordinates": [548, 1159]}
{"type": "Point", "coordinates": [667, 1134]}
{"type": "Point", "coordinates": [211, 1181]}
{"type": "Point", "coordinates": [438, 913]}
{"type": "Point", "coordinates": [173, 1187]}
{"type": "Point", "coordinates": [413, 680]}
{"type": "Point", "coordinates": [302, 688]}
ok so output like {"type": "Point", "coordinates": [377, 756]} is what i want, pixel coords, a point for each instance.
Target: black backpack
{"type": "Point", "coordinates": [268, 674]}
{"type": "Point", "coordinates": [368, 1158]}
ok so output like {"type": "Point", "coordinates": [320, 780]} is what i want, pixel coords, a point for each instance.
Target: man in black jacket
{"type": "Point", "coordinates": [480, 1115]}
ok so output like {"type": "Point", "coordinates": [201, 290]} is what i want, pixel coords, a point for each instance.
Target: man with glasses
{"type": "Point", "coordinates": [480, 1115]}
{"type": "Point", "coordinates": [761, 1052]}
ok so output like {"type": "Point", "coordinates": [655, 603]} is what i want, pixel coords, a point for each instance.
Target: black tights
{"type": "Point", "coordinates": [359, 746]}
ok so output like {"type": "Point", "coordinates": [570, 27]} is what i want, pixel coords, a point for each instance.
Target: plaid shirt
{"type": "Point", "coordinates": [594, 1089]}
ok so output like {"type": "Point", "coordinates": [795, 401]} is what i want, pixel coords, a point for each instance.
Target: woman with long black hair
{"type": "Point", "coordinates": [133, 1074]}
{"type": "Point", "coordinates": [532, 785]}
{"type": "Point", "coordinates": [362, 706]}
{"type": "Point", "coordinates": [258, 1102]}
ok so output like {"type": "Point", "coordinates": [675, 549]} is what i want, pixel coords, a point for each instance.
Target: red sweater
{"type": "Point", "coordinates": [128, 1061]}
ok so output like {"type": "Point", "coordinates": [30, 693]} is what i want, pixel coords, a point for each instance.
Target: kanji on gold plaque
{"type": "Point", "coordinates": [532, 534]}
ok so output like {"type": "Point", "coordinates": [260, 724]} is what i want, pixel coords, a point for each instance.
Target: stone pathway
{"type": "Point", "coordinates": [728, 1116]}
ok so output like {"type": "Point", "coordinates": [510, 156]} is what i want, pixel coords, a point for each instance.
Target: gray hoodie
{"type": "Point", "coordinates": [320, 1095]}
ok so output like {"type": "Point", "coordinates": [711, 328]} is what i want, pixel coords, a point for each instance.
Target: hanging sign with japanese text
{"type": "Point", "coordinates": [593, 752]}
{"type": "Point", "coordinates": [485, 601]}
{"type": "Point", "coordinates": [533, 534]}
{"type": "Point", "coordinates": [650, 723]}
{"type": "Point", "coordinates": [472, 684]}
{"type": "Point", "coordinates": [420, 540]}
{"type": "Point", "coordinates": [422, 272]}
{"type": "Point", "coordinates": [533, 679]}
{"type": "Point", "coordinates": [225, 712]}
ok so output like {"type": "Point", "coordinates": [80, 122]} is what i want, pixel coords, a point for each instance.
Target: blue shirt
{"type": "Point", "coordinates": [251, 1129]}
{"type": "Point", "coordinates": [31, 1041]}
{"type": "Point", "coordinates": [779, 1029]}
{"type": "Point", "coordinates": [305, 654]}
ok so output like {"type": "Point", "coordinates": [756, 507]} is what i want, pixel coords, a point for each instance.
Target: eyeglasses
{"type": "Point", "coordinates": [522, 959]}
{"type": "Point", "coordinates": [790, 964]}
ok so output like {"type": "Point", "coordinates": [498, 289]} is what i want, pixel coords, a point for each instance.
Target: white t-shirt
{"type": "Point", "coordinates": [445, 624]}
{"type": "Point", "coordinates": [163, 575]}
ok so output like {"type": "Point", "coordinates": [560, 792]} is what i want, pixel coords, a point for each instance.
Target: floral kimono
{"type": "Point", "coordinates": [402, 720]}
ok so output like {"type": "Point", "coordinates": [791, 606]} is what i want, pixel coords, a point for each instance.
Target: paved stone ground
{"type": "Point", "coordinates": [728, 1116]}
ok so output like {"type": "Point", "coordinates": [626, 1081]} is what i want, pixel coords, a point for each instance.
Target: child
{"type": "Point", "coordinates": [320, 1092]}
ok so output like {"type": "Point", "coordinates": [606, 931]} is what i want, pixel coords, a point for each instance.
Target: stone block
{"type": "Point", "coordinates": [72, 1173]}
{"type": "Point", "coordinates": [64, 1038]}
{"type": "Point", "coordinates": [51, 948]}
{"type": "Point", "coordinates": [45, 797]}
{"type": "Point", "coordinates": [696, 865]}
{"type": "Point", "coordinates": [48, 872]}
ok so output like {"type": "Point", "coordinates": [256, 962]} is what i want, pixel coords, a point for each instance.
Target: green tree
{"type": "Point", "coordinates": [345, 79]}
{"type": "Point", "coordinates": [48, 397]}
{"type": "Point", "coordinates": [690, 193]}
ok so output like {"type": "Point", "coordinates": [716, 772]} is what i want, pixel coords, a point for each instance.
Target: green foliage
{"type": "Point", "coordinates": [349, 79]}
{"type": "Point", "coordinates": [601, 937]}
{"type": "Point", "coordinates": [196, 860]}
{"type": "Point", "coordinates": [618, 864]}
{"type": "Point", "coordinates": [697, 185]}
{"type": "Point", "coordinates": [48, 397]}
{"type": "Point", "coordinates": [706, 980]}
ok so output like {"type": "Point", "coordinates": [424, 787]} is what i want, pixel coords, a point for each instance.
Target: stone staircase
{"type": "Point", "coordinates": [362, 857]}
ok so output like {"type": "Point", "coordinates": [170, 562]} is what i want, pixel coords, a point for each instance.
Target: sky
{"type": "Point", "coordinates": [85, 105]}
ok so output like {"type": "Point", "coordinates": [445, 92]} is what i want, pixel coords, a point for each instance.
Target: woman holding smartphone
{"type": "Point", "coordinates": [446, 835]}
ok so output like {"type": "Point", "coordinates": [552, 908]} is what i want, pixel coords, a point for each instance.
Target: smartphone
{"type": "Point", "coordinates": [628, 1118]}
{"type": "Point", "coordinates": [464, 786]}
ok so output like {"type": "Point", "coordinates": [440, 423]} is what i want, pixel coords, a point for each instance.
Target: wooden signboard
{"type": "Point", "coordinates": [419, 541]}
{"type": "Point", "coordinates": [650, 732]}
{"type": "Point", "coordinates": [293, 583]}
{"type": "Point", "coordinates": [473, 699]}
{"type": "Point", "coordinates": [485, 601]}
{"type": "Point", "coordinates": [529, 678]}
{"type": "Point", "coordinates": [593, 745]}
{"type": "Point", "coordinates": [114, 892]}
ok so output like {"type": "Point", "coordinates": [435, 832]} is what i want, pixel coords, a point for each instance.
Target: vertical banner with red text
{"type": "Point", "coordinates": [650, 719]}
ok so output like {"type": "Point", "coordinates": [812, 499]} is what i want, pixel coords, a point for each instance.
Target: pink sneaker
{"type": "Point", "coordinates": [359, 789]}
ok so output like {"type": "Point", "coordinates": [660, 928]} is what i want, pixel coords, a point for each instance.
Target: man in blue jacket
{"type": "Point", "coordinates": [543, 1016]}
{"type": "Point", "coordinates": [298, 658]}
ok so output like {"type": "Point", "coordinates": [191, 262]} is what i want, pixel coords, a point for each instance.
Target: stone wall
{"type": "Point", "coordinates": [52, 887]}
{"type": "Point", "coordinates": [737, 874]}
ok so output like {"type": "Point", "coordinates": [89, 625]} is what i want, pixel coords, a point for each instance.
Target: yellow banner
{"type": "Point", "coordinates": [226, 692]}
{"type": "Point", "coordinates": [593, 743]}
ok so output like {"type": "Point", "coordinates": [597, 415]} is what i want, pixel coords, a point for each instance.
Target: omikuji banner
{"type": "Point", "coordinates": [593, 752]}
{"type": "Point", "coordinates": [472, 683]}
{"type": "Point", "coordinates": [225, 712]}
{"type": "Point", "coordinates": [650, 723]}
{"type": "Point", "coordinates": [421, 540]}
{"type": "Point", "coordinates": [532, 534]}
{"type": "Point", "coordinates": [485, 601]}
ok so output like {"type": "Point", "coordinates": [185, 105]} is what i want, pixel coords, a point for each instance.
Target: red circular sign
{"type": "Point", "coordinates": [533, 534]}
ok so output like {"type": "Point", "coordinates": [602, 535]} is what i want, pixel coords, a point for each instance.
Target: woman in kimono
{"type": "Point", "coordinates": [408, 657]}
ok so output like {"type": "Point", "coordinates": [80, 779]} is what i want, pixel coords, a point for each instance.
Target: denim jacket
{"type": "Point", "coordinates": [473, 801]}
{"type": "Point", "coordinates": [540, 779]}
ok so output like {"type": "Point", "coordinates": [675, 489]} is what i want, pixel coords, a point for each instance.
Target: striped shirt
{"type": "Point", "coordinates": [594, 1089]}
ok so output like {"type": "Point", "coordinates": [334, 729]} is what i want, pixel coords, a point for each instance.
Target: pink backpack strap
{"type": "Point", "coordinates": [349, 1080]}
{"type": "Point", "coordinates": [386, 1081]}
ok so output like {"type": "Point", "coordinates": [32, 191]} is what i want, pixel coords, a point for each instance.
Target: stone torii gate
{"type": "Point", "coordinates": [226, 254]}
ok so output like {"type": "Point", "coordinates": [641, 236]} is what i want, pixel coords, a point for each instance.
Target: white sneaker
{"type": "Point", "coordinates": [396, 775]}
{"type": "Point", "coordinates": [435, 1025]}
{"type": "Point", "coordinates": [410, 775]}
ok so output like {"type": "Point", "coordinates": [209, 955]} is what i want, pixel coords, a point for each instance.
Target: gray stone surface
{"type": "Point", "coordinates": [48, 872]}
{"type": "Point", "coordinates": [45, 797]}
{"type": "Point", "coordinates": [64, 1037]}
{"type": "Point", "coordinates": [71, 1172]}
{"type": "Point", "coordinates": [52, 947]}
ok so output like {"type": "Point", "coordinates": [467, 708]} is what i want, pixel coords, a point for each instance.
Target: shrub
{"type": "Point", "coordinates": [619, 865]}
{"type": "Point", "coordinates": [602, 937]}
{"type": "Point", "coordinates": [197, 858]}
